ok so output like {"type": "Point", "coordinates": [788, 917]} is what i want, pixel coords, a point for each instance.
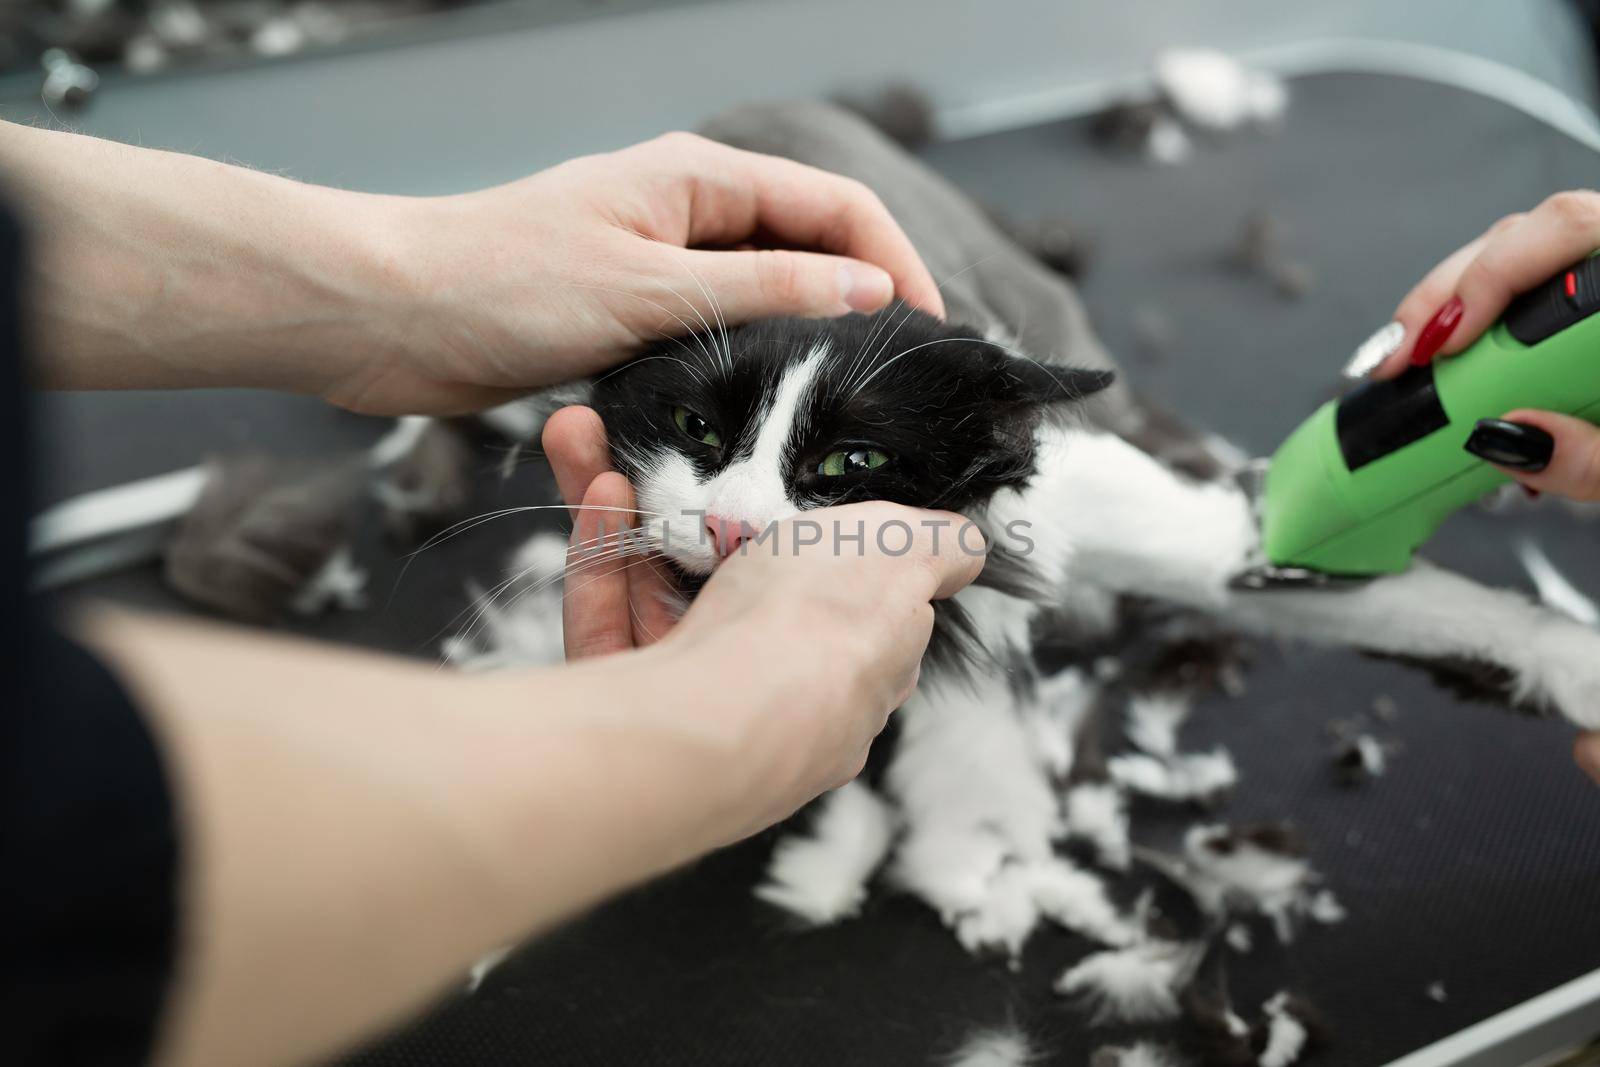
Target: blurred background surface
{"type": "Point", "coordinates": [1472, 864]}
{"type": "Point", "coordinates": [504, 87]}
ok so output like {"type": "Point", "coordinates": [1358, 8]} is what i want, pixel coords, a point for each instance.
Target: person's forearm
{"type": "Point", "coordinates": [360, 829]}
{"type": "Point", "coordinates": [159, 270]}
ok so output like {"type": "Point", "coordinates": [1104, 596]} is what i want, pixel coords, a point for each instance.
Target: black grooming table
{"type": "Point", "coordinates": [1474, 863]}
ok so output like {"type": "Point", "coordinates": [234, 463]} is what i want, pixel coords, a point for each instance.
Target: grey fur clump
{"type": "Point", "coordinates": [902, 113]}
{"type": "Point", "coordinates": [428, 487]}
{"type": "Point", "coordinates": [259, 532]}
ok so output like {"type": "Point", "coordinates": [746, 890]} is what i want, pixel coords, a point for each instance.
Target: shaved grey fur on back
{"type": "Point", "coordinates": [987, 280]}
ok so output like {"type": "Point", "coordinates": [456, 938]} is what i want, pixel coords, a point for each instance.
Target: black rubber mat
{"type": "Point", "coordinates": [1474, 863]}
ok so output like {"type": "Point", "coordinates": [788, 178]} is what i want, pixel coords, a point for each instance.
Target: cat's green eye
{"type": "Point", "coordinates": [851, 461]}
{"type": "Point", "coordinates": [696, 427]}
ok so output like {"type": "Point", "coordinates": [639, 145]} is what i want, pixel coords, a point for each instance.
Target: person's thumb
{"type": "Point", "coordinates": [1570, 448]}
{"type": "Point", "coordinates": [747, 285]}
{"type": "Point", "coordinates": [1586, 750]}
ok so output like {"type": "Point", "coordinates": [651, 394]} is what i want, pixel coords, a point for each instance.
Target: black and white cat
{"type": "Point", "coordinates": [726, 431]}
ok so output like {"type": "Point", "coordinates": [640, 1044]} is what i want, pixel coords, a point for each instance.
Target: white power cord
{"type": "Point", "coordinates": [1445, 66]}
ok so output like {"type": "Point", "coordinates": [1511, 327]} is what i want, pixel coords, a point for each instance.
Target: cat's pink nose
{"type": "Point", "coordinates": [728, 534]}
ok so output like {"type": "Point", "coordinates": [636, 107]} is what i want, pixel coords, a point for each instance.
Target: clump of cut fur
{"type": "Point", "coordinates": [1154, 719]}
{"type": "Point", "coordinates": [1004, 1046]}
{"type": "Point", "coordinates": [1011, 903]}
{"type": "Point", "coordinates": [1139, 1054]}
{"type": "Point", "coordinates": [485, 966]}
{"type": "Point", "coordinates": [428, 485]}
{"type": "Point", "coordinates": [1260, 869]}
{"type": "Point", "coordinates": [259, 532]}
{"type": "Point", "coordinates": [1286, 1033]}
{"type": "Point", "coordinates": [1139, 984]}
{"type": "Point", "coordinates": [338, 584]}
{"type": "Point", "coordinates": [1203, 778]}
{"type": "Point", "coordinates": [1097, 813]}
{"type": "Point", "coordinates": [520, 624]}
{"type": "Point", "coordinates": [822, 877]}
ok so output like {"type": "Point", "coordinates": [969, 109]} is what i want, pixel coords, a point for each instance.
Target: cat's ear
{"type": "Point", "coordinates": [1030, 383]}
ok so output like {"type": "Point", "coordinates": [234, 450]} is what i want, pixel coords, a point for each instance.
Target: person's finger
{"type": "Point", "coordinates": [950, 548]}
{"type": "Point", "coordinates": [1555, 235]}
{"type": "Point", "coordinates": [595, 612]}
{"type": "Point", "coordinates": [738, 195]}
{"type": "Point", "coordinates": [651, 594]}
{"type": "Point", "coordinates": [1586, 750]}
{"type": "Point", "coordinates": [1464, 295]}
{"type": "Point", "coordinates": [769, 282]}
{"type": "Point", "coordinates": [1428, 296]}
{"type": "Point", "coordinates": [1568, 447]}
{"type": "Point", "coordinates": [957, 567]}
{"type": "Point", "coordinates": [574, 441]}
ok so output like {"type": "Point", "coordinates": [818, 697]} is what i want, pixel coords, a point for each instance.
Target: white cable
{"type": "Point", "coordinates": [1483, 77]}
{"type": "Point", "coordinates": [1462, 70]}
{"type": "Point", "coordinates": [112, 529]}
{"type": "Point", "coordinates": [109, 511]}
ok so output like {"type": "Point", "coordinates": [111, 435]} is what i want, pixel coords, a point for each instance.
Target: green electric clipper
{"type": "Point", "coordinates": [1368, 478]}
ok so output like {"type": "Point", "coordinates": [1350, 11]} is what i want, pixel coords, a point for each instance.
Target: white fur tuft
{"type": "Point", "coordinates": [1286, 1035]}
{"type": "Point", "coordinates": [1153, 721]}
{"type": "Point", "coordinates": [1139, 984]}
{"type": "Point", "coordinates": [1199, 776]}
{"type": "Point", "coordinates": [1096, 812]}
{"type": "Point", "coordinates": [1250, 878]}
{"type": "Point", "coordinates": [1008, 1047]}
{"type": "Point", "coordinates": [822, 877]}
{"type": "Point", "coordinates": [520, 626]}
{"type": "Point", "coordinates": [1142, 1054]}
{"type": "Point", "coordinates": [1325, 908]}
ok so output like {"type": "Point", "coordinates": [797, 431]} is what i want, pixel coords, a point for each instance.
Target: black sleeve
{"type": "Point", "coordinates": [88, 846]}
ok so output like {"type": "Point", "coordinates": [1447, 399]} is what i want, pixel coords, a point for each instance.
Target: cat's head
{"type": "Point", "coordinates": [723, 435]}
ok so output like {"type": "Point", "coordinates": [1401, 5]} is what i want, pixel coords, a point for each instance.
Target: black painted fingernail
{"type": "Point", "coordinates": [1511, 444]}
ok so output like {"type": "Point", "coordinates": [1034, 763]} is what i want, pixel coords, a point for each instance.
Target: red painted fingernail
{"type": "Point", "coordinates": [1437, 331]}
{"type": "Point", "coordinates": [1530, 491]}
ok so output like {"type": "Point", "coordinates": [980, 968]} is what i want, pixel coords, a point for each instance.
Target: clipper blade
{"type": "Point", "coordinates": [1267, 577]}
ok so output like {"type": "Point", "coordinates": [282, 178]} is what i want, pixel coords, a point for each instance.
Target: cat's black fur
{"type": "Point", "coordinates": [955, 412]}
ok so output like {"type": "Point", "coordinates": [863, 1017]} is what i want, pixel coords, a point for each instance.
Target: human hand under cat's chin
{"type": "Point", "coordinates": [861, 612]}
{"type": "Point", "coordinates": [567, 272]}
{"type": "Point", "coordinates": [801, 649]}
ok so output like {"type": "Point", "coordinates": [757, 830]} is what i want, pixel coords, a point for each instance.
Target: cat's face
{"type": "Point", "coordinates": [793, 414]}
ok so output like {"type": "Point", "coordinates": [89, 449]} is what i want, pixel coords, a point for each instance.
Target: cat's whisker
{"type": "Point", "coordinates": [888, 313]}
{"type": "Point", "coordinates": [610, 573]}
{"type": "Point", "coordinates": [926, 344]}
{"type": "Point", "coordinates": [678, 252]}
{"type": "Point", "coordinates": [650, 359]}
{"type": "Point", "coordinates": [480, 605]}
{"type": "Point", "coordinates": [939, 285]}
{"type": "Point", "coordinates": [872, 335]}
{"type": "Point", "coordinates": [974, 265]}
{"type": "Point", "coordinates": [488, 601]}
{"type": "Point", "coordinates": [464, 525]}
{"type": "Point", "coordinates": [638, 620]}
{"type": "Point", "coordinates": [716, 311]}
{"type": "Point", "coordinates": [688, 328]}
{"type": "Point", "coordinates": [887, 341]}
{"type": "Point", "coordinates": [846, 388]}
